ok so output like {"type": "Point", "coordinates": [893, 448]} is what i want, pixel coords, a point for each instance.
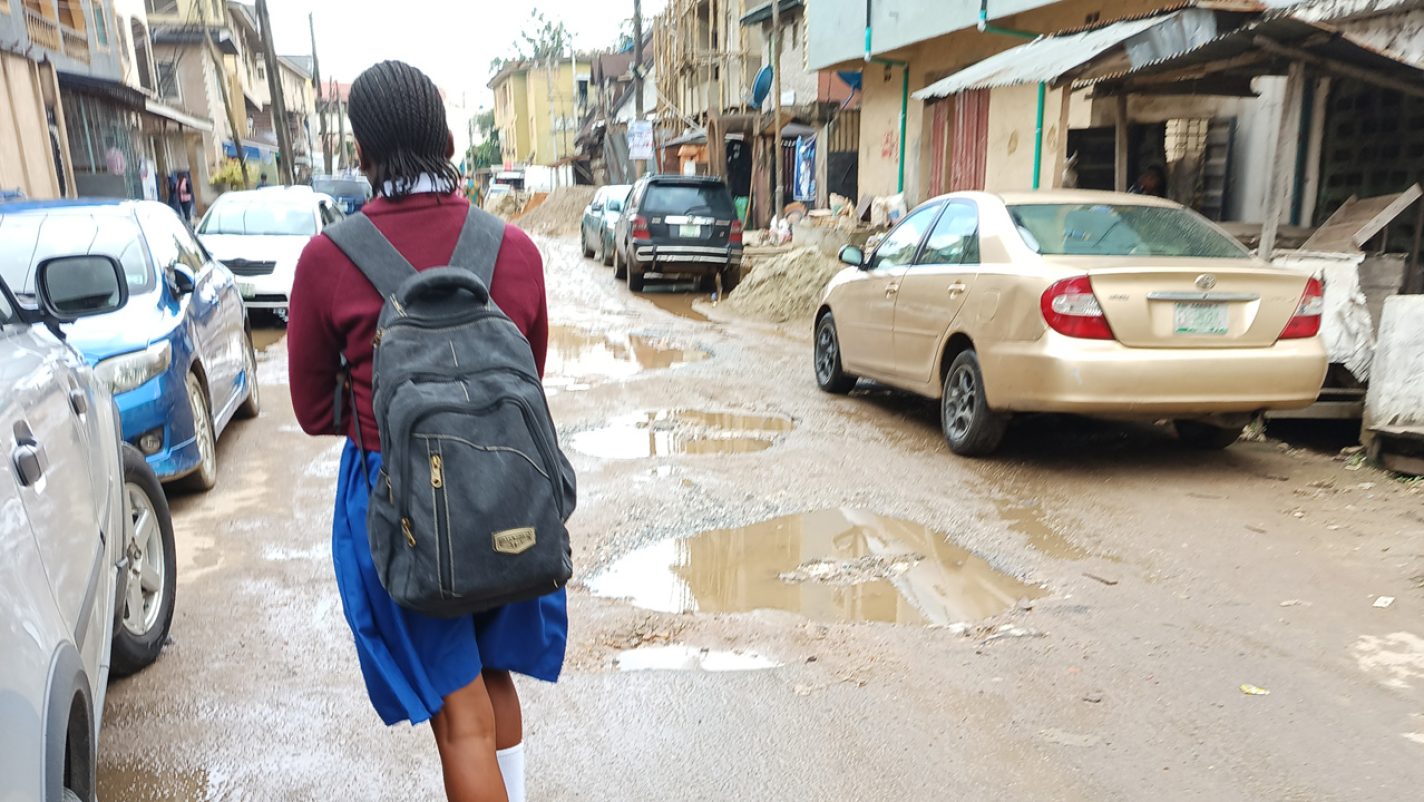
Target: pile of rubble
{"type": "Point", "coordinates": [784, 286]}
{"type": "Point", "coordinates": [560, 214]}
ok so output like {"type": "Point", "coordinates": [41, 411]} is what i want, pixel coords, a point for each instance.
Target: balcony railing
{"type": "Point", "coordinates": [43, 32]}
{"type": "Point", "coordinates": [76, 44]}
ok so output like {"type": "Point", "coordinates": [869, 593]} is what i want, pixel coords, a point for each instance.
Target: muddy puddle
{"type": "Point", "coordinates": [665, 432]}
{"type": "Point", "coordinates": [677, 303]}
{"type": "Point", "coordinates": [131, 783]}
{"type": "Point", "coordinates": [1029, 519]}
{"type": "Point", "coordinates": [264, 338]}
{"type": "Point", "coordinates": [837, 565]}
{"type": "Point", "coordinates": [578, 358]}
{"type": "Point", "coordinates": [690, 658]}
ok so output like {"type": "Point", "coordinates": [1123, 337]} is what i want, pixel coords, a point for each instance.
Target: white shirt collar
{"type": "Point", "coordinates": [423, 184]}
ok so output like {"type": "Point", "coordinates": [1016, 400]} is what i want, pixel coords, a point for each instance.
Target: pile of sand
{"type": "Point", "coordinates": [504, 206]}
{"type": "Point", "coordinates": [560, 214]}
{"type": "Point", "coordinates": [784, 287]}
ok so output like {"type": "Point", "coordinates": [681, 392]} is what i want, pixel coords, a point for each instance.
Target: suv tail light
{"type": "Point", "coordinates": [1306, 320]}
{"type": "Point", "coordinates": [735, 235]}
{"type": "Point", "coordinates": [640, 228]}
{"type": "Point", "coordinates": [1070, 308]}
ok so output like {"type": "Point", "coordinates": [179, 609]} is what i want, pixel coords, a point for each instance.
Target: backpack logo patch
{"type": "Point", "coordinates": [514, 541]}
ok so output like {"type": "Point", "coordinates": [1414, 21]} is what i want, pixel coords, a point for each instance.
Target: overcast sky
{"type": "Point", "coordinates": [451, 40]}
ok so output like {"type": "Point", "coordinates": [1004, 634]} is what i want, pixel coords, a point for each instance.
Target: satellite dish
{"type": "Point", "coordinates": [761, 86]}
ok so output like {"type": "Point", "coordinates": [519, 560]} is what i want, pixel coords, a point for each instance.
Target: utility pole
{"type": "Point", "coordinates": [341, 126]}
{"type": "Point", "coordinates": [776, 108]}
{"type": "Point", "coordinates": [232, 119]}
{"type": "Point", "coordinates": [321, 107]}
{"type": "Point", "coordinates": [279, 105]}
{"type": "Point", "coordinates": [638, 72]}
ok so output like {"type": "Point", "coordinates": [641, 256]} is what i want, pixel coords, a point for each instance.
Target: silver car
{"type": "Point", "coordinates": [86, 542]}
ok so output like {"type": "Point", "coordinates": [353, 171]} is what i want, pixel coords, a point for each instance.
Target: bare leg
{"type": "Point", "coordinates": [465, 734]}
{"type": "Point", "coordinates": [508, 719]}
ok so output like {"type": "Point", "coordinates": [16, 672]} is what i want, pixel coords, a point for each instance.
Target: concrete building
{"type": "Point", "coordinates": [299, 94]}
{"type": "Point", "coordinates": [538, 108]}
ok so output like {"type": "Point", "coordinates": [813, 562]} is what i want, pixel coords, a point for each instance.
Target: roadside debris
{"type": "Point", "coordinates": [1295, 603]}
{"type": "Point", "coordinates": [785, 287]}
{"type": "Point", "coordinates": [1384, 601]}
{"type": "Point", "coordinates": [560, 214]}
{"type": "Point", "coordinates": [1013, 631]}
{"type": "Point", "coordinates": [1103, 579]}
{"type": "Point", "coordinates": [1254, 690]}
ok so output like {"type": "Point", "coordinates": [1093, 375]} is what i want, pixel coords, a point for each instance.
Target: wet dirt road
{"type": "Point", "coordinates": [787, 595]}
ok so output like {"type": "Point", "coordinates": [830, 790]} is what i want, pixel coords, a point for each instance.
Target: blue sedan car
{"type": "Point", "coordinates": [179, 357]}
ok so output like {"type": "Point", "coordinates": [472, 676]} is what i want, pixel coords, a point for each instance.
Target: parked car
{"type": "Point", "coordinates": [178, 357]}
{"type": "Point", "coordinates": [259, 234]}
{"type": "Point", "coordinates": [679, 226]}
{"type": "Point", "coordinates": [89, 573]}
{"type": "Point", "coordinates": [1073, 301]}
{"type": "Point", "coordinates": [350, 193]}
{"type": "Point", "coordinates": [599, 220]}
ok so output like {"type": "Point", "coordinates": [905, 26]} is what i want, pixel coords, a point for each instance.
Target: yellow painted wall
{"type": "Point", "coordinates": [934, 59]}
{"type": "Point", "coordinates": [1013, 112]}
{"type": "Point", "coordinates": [549, 143]}
{"type": "Point", "coordinates": [511, 117]}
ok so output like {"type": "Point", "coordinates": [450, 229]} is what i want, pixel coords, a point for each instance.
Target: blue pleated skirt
{"type": "Point", "coordinates": [410, 661]}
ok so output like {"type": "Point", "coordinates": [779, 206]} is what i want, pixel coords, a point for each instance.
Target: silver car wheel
{"type": "Point", "coordinates": [202, 428]}
{"type": "Point", "coordinates": [143, 601]}
{"type": "Point", "coordinates": [826, 354]}
{"type": "Point", "coordinates": [961, 403]}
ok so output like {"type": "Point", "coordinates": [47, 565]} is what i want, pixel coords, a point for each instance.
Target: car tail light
{"type": "Point", "coordinates": [640, 228]}
{"type": "Point", "coordinates": [1306, 320]}
{"type": "Point", "coordinates": [1070, 308]}
{"type": "Point", "coordinates": [735, 235]}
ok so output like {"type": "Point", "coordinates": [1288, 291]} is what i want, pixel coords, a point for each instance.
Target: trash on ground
{"type": "Point", "coordinates": [1295, 603]}
{"type": "Point", "coordinates": [1101, 579]}
{"type": "Point", "coordinates": [1384, 601]}
{"type": "Point", "coordinates": [1254, 690]}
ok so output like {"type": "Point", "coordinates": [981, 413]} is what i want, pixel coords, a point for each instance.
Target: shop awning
{"type": "Point", "coordinates": [1054, 59]}
{"type": "Point", "coordinates": [250, 152]}
{"type": "Point", "coordinates": [120, 93]}
{"type": "Point", "coordinates": [181, 117]}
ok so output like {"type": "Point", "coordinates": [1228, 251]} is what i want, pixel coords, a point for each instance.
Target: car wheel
{"type": "Point", "coordinates": [620, 268]}
{"type": "Point", "coordinates": [583, 243]}
{"type": "Point", "coordinates": [152, 569]}
{"type": "Point", "coordinates": [830, 376]}
{"type": "Point", "coordinates": [731, 277]}
{"type": "Point", "coordinates": [635, 278]}
{"type": "Point", "coordinates": [205, 476]}
{"type": "Point", "coordinates": [70, 796]}
{"type": "Point", "coordinates": [605, 253]}
{"type": "Point", "coordinates": [1206, 436]}
{"type": "Point", "coordinates": [972, 429]}
{"type": "Point", "coordinates": [252, 406]}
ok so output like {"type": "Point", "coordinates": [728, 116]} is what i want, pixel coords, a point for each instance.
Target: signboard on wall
{"type": "Point", "coordinates": [640, 140]}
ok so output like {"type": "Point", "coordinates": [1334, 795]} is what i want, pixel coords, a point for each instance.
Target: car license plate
{"type": "Point", "coordinates": [1200, 318]}
{"type": "Point", "coordinates": [248, 290]}
{"type": "Point", "coordinates": [689, 232]}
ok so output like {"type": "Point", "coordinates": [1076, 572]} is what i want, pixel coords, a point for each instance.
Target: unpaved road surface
{"type": "Point", "coordinates": [783, 595]}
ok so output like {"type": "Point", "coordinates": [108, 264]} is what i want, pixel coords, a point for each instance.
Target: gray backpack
{"type": "Point", "coordinates": [469, 508]}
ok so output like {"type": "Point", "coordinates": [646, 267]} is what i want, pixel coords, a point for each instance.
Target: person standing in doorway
{"type": "Point", "coordinates": [185, 197]}
{"type": "Point", "coordinates": [262, 181]}
{"type": "Point", "coordinates": [453, 672]}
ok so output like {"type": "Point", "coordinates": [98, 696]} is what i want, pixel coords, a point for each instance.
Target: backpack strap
{"type": "Point", "coordinates": [373, 254]}
{"type": "Point", "coordinates": [478, 246]}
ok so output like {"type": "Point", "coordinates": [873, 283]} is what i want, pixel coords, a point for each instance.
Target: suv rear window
{"type": "Point", "coordinates": [706, 199]}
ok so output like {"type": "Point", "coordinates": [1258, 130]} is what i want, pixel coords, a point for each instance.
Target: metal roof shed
{"type": "Point", "coordinates": [1277, 45]}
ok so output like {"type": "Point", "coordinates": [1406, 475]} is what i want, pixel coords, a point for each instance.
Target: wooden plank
{"type": "Point", "coordinates": [1283, 165]}
{"type": "Point", "coordinates": [1358, 220]}
{"type": "Point", "coordinates": [1120, 177]}
{"type": "Point", "coordinates": [1340, 68]}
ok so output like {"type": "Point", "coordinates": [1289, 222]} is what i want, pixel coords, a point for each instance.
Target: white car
{"type": "Point", "coordinates": [87, 578]}
{"type": "Point", "coordinates": [260, 234]}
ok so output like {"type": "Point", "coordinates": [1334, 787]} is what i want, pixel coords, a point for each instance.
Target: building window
{"type": "Point", "coordinates": [71, 15]}
{"type": "Point", "coordinates": [41, 8]}
{"type": "Point", "coordinates": [101, 24]}
{"type": "Point", "coordinates": [168, 7]}
{"type": "Point", "coordinates": [169, 87]}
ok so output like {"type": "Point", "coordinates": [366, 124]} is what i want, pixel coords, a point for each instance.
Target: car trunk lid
{"type": "Point", "coordinates": [1181, 303]}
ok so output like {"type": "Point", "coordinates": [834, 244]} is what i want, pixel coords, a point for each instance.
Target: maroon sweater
{"type": "Point", "coordinates": [334, 308]}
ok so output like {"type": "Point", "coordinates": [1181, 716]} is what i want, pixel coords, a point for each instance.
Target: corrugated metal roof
{"type": "Point", "coordinates": [1043, 60]}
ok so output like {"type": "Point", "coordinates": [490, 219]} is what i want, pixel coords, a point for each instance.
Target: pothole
{"type": "Point", "coordinates": [680, 657]}
{"type": "Point", "coordinates": [677, 303]}
{"type": "Point", "coordinates": [665, 432]}
{"type": "Point", "coordinates": [837, 565]}
{"type": "Point", "coordinates": [577, 358]}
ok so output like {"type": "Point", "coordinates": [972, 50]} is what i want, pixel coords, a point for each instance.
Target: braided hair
{"type": "Point", "coordinates": [399, 121]}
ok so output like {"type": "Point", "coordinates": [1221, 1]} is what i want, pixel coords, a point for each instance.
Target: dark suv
{"type": "Point", "coordinates": [677, 225]}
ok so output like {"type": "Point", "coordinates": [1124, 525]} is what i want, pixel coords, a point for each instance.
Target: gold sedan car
{"type": "Point", "coordinates": [1073, 301]}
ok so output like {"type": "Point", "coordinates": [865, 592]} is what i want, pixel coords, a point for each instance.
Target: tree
{"type": "Point", "coordinates": [544, 39]}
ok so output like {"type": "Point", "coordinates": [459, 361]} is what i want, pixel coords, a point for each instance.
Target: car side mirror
{"type": "Point", "coordinates": [853, 256]}
{"type": "Point", "coordinates": [71, 287]}
{"type": "Point", "coordinates": [184, 281]}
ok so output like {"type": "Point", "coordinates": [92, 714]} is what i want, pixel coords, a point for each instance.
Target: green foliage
{"type": "Point", "coordinates": [541, 40]}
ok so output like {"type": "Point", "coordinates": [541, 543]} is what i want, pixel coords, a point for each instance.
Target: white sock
{"type": "Point", "coordinates": [511, 768]}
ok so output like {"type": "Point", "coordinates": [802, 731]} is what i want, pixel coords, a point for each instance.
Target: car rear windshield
{"type": "Point", "coordinates": [1120, 230]}
{"type": "Point", "coordinates": [342, 188]}
{"type": "Point", "coordinates": [259, 215]}
{"type": "Point", "coordinates": [28, 238]}
{"type": "Point", "coordinates": [705, 199]}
